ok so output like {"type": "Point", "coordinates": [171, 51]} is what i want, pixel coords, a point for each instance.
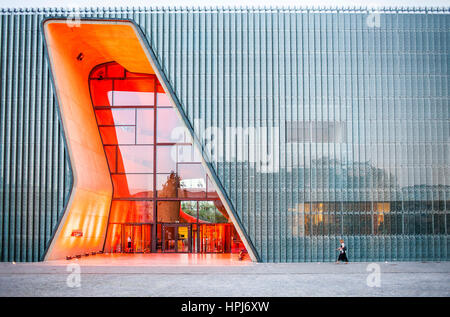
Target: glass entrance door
{"type": "Point", "coordinates": [177, 238]}
{"type": "Point", "coordinates": [215, 238]}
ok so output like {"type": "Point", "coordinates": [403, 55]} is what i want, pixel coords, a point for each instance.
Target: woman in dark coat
{"type": "Point", "coordinates": [342, 252]}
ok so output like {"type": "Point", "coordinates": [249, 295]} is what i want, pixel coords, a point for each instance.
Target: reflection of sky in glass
{"type": "Point", "coordinates": [163, 100]}
{"type": "Point", "coordinates": [165, 157]}
{"type": "Point", "coordinates": [125, 135]}
{"type": "Point", "coordinates": [192, 175]}
{"type": "Point", "coordinates": [123, 116]}
{"type": "Point", "coordinates": [139, 183]}
{"type": "Point", "coordinates": [128, 185]}
{"type": "Point", "coordinates": [187, 153]}
{"type": "Point", "coordinates": [120, 134]}
{"type": "Point", "coordinates": [144, 126]}
{"type": "Point", "coordinates": [136, 126]}
{"type": "Point", "coordinates": [131, 98]}
{"type": "Point", "coordinates": [167, 122]}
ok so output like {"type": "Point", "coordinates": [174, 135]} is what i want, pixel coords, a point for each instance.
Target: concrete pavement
{"type": "Point", "coordinates": [224, 279]}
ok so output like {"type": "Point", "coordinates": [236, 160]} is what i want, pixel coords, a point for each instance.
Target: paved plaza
{"type": "Point", "coordinates": [191, 275]}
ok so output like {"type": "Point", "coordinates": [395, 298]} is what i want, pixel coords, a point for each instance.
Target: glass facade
{"type": "Point", "coordinates": [163, 200]}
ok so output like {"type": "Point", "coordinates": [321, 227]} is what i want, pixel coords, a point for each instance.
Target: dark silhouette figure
{"type": "Point", "coordinates": [342, 252]}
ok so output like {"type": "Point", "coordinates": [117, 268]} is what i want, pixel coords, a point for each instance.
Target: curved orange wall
{"type": "Point", "coordinates": [98, 42]}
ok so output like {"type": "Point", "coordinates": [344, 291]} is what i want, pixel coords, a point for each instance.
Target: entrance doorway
{"type": "Point", "coordinates": [176, 238]}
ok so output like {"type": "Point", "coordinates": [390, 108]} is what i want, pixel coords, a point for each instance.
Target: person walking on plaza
{"type": "Point", "coordinates": [129, 244]}
{"type": "Point", "coordinates": [342, 252]}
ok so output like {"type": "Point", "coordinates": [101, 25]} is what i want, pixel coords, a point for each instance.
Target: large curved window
{"type": "Point", "coordinates": [159, 183]}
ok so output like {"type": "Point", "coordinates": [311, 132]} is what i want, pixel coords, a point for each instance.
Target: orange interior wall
{"type": "Point", "coordinates": [99, 42]}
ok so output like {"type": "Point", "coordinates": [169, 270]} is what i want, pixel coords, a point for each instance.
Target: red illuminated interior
{"type": "Point", "coordinates": [163, 200]}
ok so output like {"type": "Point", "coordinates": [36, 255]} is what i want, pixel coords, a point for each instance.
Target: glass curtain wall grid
{"type": "Point", "coordinates": [163, 200]}
{"type": "Point", "coordinates": [357, 114]}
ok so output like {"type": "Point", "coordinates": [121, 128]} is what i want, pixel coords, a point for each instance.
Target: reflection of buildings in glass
{"type": "Point", "coordinates": [193, 183]}
{"type": "Point", "coordinates": [355, 201]}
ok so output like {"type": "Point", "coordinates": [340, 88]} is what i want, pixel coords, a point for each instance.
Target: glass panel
{"type": "Point", "coordinates": [136, 92]}
{"type": "Point", "coordinates": [211, 189]}
{"type": "Point", "coordinates": [166, 159]}
{"type": "Point", "coordinates": [169, 127]}
{"type": "Point", "coordinates": [135, 159]}
{"type": "Point", "coordinates": [192, 181]}
{"type": "Point", "coordinates": [167, 185]}
{"type": "Point", "coordinates": [169, 238]}
{"type": "Point", "coordinates": [212, 212]}
{"type": "Point", "coordinates": [115, 116]}
{"type": "Point", "coordinates": [236, 243]}
{"type": "Point", "coordinates": [162, 98]}
{"type": "Point", "coordinates": [145, 127]}
{"type": "Point", "coordinates": [189, 209]}
{"type": "Point", "coordinates": [133, 185]}
{"type": "Point", "coordinates": [118, 135]}
{"type": "Point", "coordinates": [183, 239]}
{"type": "Point", "coordinates": [146, 238]}
{"type": "Point", "coordinates": [215, 238]}
{"type": "Point", "coordinates": [188, 154]}
{"type": "Point", "coordinates": [185, 153]}
{"type": "Point", "coordinates": [197, 155]}
{"type": "Point", "coordinates": [159, 236]}
{"type": "Point", "coordinates": [188, 212]}
{"type": "Point", "coordinates": [132, 98]}
{"type": "Point", "coordinates": [174, 212]}
{"type": "Point", "coordinates": [168, 211]}
{"type": "Point", "coordinates": [114, 241]}
{"type": "Point", "coordinates": [195, 238]}
{"type": "Point", "coordinates": [104, 117]}
{"type": "Point", "coordinates": [137, 238]}
{"type": "Point", "coordinates": [123, 211]}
